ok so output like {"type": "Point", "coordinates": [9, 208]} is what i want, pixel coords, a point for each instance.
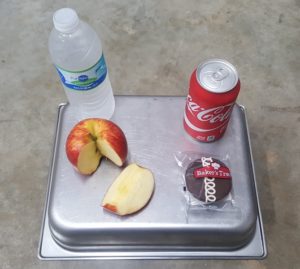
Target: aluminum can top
{"type": "Point", "coordinates": [217, 76]}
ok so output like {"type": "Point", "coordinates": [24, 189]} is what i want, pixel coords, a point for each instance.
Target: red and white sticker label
{"type": "Point", "coordinates": [211, 172]}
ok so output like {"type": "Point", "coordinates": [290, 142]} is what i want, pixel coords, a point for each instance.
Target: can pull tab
{"type": "Point", "coordinates": [220, 74]}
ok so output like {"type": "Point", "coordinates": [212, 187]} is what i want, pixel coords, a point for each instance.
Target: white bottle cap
{"type": "Point", "coordinates": [65, 20]}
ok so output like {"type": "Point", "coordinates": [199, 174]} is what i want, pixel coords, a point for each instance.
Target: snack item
{"type": "Point", "coordinates": [208, 179]}
{"type": "Point", "coordinates": [130, 192]}
{"type": "Point", "coordinates": [90, 139]}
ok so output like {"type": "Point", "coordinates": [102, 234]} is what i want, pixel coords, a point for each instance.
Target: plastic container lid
{"type": "Point", "coordinates": [65, 20]}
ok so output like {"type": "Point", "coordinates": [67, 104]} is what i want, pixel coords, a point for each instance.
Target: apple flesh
{"type": "Point", "coordinates": [93, 138]}
{"type": "Point", "coordinates": [130, 192]}
{"type": "Point", "coordinates": [88, 159]}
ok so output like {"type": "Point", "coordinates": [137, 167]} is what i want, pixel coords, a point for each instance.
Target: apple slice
{"type": "Point", "coordinates": [88, 159]}
{"type": "Point", "coordinates": [108, 151]}
{"type": "Point", "coordinates": [130, 192]}
{"type": "Point", "coordinates": [111, 141]}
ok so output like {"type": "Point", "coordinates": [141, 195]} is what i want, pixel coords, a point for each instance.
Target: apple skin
{"type": "Point", "coordinates": [78, 137]}
{"type": "Point", "coordinates": [98, 132]}
{"type": "Point", "coordinates": [111, 133]}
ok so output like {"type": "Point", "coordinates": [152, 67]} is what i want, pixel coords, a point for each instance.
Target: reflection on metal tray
{"type": "Point", "coordinates": [76, 227]}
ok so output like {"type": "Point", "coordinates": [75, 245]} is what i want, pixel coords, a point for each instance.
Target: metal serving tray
{"type": "Point", "coordinates": [76, 227]}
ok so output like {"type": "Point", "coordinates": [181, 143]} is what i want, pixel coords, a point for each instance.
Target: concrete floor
{"type": "Point", "coordinates": [151, 47]}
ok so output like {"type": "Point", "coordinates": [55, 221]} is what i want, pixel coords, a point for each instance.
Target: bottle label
{"type": "Point", "coordinates": [86, 79]}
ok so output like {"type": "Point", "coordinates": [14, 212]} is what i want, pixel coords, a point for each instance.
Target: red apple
{"type": "Point", "coordinates": [90, 139]}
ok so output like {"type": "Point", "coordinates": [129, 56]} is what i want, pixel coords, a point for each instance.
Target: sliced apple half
{"type": "Point", "coordinates": [130, 192]}
{"type": "Point", "coordinates": [93, 138]}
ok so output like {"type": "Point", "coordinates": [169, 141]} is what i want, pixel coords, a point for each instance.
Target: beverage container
{"type": "Point", "coordinates": [214, 87]}
{"type": "Point", "coordinates": [76, 52]}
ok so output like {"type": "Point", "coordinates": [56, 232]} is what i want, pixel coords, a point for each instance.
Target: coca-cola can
{"type": "Point", "coordinates": [214, 87]}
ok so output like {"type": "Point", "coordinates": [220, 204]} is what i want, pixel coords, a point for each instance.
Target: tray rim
{"type": "Point", "coordinates": [172, 254]}
{"type": "Point", "coordinates": [260, 217]}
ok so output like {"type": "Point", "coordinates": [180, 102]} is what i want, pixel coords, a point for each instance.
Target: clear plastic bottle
{"type": "Point", "coordinates": [76, 52]}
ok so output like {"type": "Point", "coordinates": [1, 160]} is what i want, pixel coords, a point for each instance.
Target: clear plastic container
{"type": "Point", "coordinates": [76, 52]}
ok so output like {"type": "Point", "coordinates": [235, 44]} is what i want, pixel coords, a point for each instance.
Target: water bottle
{"type": "Point", "coordinates": [76, 52]}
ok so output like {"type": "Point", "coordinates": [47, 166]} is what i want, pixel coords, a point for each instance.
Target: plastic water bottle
{"type": "Point", "coordinates": [76, 52]}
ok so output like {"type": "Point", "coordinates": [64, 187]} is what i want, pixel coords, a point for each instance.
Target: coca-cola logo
{"type": "Point", "coordinates": [211, 115]}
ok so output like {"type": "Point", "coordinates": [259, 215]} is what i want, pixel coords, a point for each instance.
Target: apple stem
{"type": "Point", "coordinates": [94, 138]}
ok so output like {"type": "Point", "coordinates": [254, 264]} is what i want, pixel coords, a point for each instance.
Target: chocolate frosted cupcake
{"type": "Point", "coordinates": [208, 179]}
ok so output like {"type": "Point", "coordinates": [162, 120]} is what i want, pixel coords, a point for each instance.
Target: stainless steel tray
{"type": "Point", "coordinates": [76, 227]}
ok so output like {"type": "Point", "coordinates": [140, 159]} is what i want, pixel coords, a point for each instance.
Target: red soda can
{"type": "Point", "coordinates": [214, 87]}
